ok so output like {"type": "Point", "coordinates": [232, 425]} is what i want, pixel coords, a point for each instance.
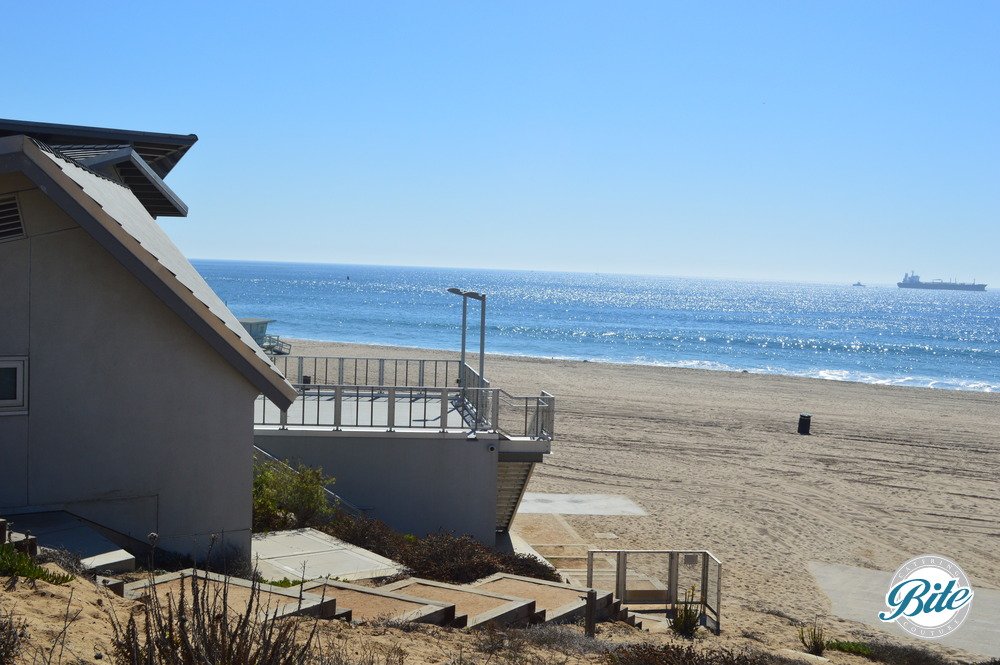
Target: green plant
{"type": "Point", "coordinates": [13, 633]}
{"type": "Point", "coordinates": [686, 617]}
{"type": "Point", "coordinates": [856, 648]}
{"type": "Point", "coordinates": [284, 583]}
{"type": "Point", "coordinates": [286, 497]}
{"type": "Point", "coordinates": [811, 637]}
{"type": "Point", "coordinates": [18, 564]}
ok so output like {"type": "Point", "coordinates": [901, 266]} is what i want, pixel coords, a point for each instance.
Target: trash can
{"type": "Point", "coordinates": [804, 421]}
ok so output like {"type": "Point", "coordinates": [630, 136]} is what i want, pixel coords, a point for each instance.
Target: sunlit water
{"type": "Point", "coordinates": [880, 334]}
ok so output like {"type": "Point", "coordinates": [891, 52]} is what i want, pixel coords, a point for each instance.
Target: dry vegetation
{"type": "Point", "coordinates": [79, 622]}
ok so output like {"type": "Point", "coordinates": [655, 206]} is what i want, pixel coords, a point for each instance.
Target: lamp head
{"type": "Point", "coordinates": [456, 291]}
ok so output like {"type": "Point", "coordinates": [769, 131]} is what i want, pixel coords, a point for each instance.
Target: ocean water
{"type": "Point", "coordinates": [877, 334]}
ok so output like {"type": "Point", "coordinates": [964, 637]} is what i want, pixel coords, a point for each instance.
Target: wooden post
{"type": "Point", "coordinates": [621, 583]}
{"type": "Point", "coordinates": [590, 625]}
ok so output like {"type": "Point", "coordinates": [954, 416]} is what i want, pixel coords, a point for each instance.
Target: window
{"type": "Point", "coordinates": [13, 386]}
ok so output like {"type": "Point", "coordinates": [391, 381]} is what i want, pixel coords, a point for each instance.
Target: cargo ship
{"type": "Point", "coordinates": [912, 281]}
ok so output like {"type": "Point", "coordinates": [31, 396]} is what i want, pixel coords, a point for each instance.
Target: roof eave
{"type": "Point", "coordinates": [19, 154]}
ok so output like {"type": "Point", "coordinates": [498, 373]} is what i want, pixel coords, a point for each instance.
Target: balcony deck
{"type": "Point", "coordinates": [402, 395]}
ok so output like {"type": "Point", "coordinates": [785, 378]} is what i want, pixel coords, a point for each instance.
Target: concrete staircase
{"type": "Point", "coordinates": [499, 600]}
{"type": "Point", "coordinates": [59, 530]}
{"type": "Point", "coordinates": [512, 479]}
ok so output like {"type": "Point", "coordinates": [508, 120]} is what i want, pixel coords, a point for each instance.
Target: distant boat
{"type": "Point", "coordinates": [857, 284]}
{"type": "Point", "coordinates": [912, 281]}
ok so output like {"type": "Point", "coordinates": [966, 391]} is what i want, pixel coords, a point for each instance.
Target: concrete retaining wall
{"type": "Point", "coordinates": [416, 483]}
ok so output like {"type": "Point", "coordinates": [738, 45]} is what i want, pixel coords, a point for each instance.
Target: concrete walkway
{"type": "Point", "coordinates": [578, 504]}
{"type": "Point", "coordinates": [312, 554]}
{"type": "Point", "coordinates": [858, 594]}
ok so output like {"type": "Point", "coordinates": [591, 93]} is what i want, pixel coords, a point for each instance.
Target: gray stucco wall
{"type": "Point", "coordinates": [416, 484]}
{"type": "Point", "coordinates": [134, 421]}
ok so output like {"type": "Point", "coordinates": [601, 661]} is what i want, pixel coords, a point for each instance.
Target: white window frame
{"type": "Point", "coordinates": [18, 405]}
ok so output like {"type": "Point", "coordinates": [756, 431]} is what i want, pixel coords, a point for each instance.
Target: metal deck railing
{"type": "Point", "coordinates": [403, 394]}
{"type": "Point", "coordinates": [667, 578]}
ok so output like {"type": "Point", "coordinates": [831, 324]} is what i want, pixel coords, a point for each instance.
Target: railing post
{"type": "Point", "coordinates": [673, 579]}
{"type": "Point", "coordinates": [444, 409]}
{"type": "Point", "coordinates": [284, 419]}
{"type": "Point", "coordinates": [381, 371]}
{"type": "Point", "coordinates": [420, 373]}
{"type": "Point", "coordinates": [550, 415]}
{"type": "Point", "coordinates": [391, 411]}
{"type": "Point", "coordinates": [590, 568]}
{"type": "Point", "coordinates": [703, 596]}
{"type": "Point", "coordinates": [620, 574]}
{"type": "Point", "coordinates": [718, 602]}
{"type": "Point", "coordinates": [340, 371]}
{"type": "Point", "coordinates": [495, 411]}
{"type": "Point", "coordinates": [590, 618]}
{"type": "Point", "coordinates": [298, 377]}
{"type": "Point", "coordinates": [338, 404]}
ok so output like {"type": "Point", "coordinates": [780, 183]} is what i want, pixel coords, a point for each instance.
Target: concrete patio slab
{"type": "Point", "coordinates": [559, 602]}
{"type": "Point", "coordinates": [61, 530]}
{"type": "Point", "coordinates": [368, 604]}
{"type": "Point", "coordinates": [312, 554]}
{"type": "Point", "coordinates": [579, 504]}
{"type": "Point", "coordinates": [473, 606]}
{"type": "Point", "coordinates": [858, 594]}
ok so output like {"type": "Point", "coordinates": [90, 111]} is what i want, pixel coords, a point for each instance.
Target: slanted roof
{"type": "Point", "coordinates": [113, 215]}
{"type": "Point", "coordinates": [138, 160]}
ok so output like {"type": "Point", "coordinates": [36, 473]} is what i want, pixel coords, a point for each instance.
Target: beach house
{"type": "Point", "coordinates": [127, 387]}
{"type": "Point", "coordinates": [131, 397]}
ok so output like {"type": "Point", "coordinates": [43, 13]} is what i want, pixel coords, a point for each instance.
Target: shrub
{"type": "Point", "coordinates": [18, 564]}
{"type": "Point", "coordinates": [438, 556]}
{"type": "Point", "coordinates": [812, 638]}
{"type": "Point", "coordinates": [13, 633]}
{"type": "Point", "coordinates": [904, 654]}
{"type": "Point", "coordinates": [857, 648]}
{"type": "Point", "coordinates": [644, 653]}
{"type": "Point", "coordinates": [199, 628]}
{"type": "Point", "coordinates": [687, 616]}
{"type": "Point", "coordinates": [286, 497]}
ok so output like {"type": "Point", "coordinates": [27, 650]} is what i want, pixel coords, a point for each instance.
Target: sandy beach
{"type": "Point", "coordinates": [714, 459]}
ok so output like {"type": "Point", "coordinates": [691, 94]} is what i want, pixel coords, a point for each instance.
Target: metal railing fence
{"type": "Point", "coordinates": [396, 393]}
{"type": "Point", "coordinates": [408, 372]}
{"type": "Point", "coordinates": [406, 407]}
{"type": "Point", "coordinates": [671, 578]}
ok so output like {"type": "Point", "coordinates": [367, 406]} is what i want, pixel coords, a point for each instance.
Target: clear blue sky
{"type": "Point", "coordinates": [815, 141]}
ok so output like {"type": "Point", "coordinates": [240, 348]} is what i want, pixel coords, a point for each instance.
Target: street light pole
{"type": "Point", "coordinates": [465, 325]}
{"type": "Point", "coordinates": [482, 340]}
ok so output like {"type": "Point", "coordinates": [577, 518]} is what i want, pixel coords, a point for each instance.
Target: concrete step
{"type": "Point", "coordinates": [63, 531]}
{"type": "Point", "coordinates": [473, 607]}
{"type": "Point", "coordinates": [274, 602]}
{"type": "Point", "coordinates": [512, 478]}
{"type": "Point", "coordinates": [371, 604]}
{"type": "Point", "coordinates": [554, 602]}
